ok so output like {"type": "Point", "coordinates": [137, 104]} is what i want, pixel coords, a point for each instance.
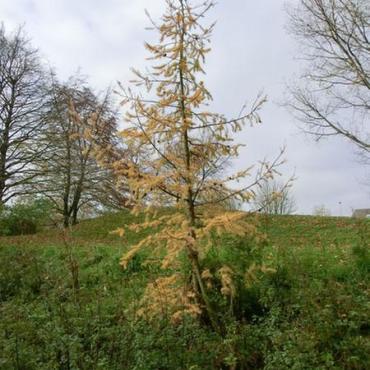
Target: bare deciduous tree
{"type": "Point", "coordinates": [321, 210]}
{"type": "Point", "coordinates": [275, 198]}
{"type": "Point", "coordinates": [335, 96]}
{"type": "Point", "coordinates": [22, 106]}
{"type": "Point", "coordinates": [78, 121]}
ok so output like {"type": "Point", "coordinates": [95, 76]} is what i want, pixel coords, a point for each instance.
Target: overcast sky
{"type": "Point", "coordinates": [251, 51]}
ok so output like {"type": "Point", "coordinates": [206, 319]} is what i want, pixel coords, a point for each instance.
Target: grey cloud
{"type": "Point", "coordinates": [251, 51]}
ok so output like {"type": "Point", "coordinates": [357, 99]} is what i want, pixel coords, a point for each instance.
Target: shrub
{"type": "Point", "coordinates": [24, 218]}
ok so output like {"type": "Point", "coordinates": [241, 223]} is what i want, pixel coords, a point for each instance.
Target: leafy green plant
{"type": "Point", "coordinates": [24, 218]}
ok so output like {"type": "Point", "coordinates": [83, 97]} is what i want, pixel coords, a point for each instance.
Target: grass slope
{"type": "Point", "coordinates": [66, 304]}
{"type": "Point", "coordinates": [281, 230]}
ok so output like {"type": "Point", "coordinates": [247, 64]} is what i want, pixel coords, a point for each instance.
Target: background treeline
{"type": "Point", "coordinates": [50, 132]}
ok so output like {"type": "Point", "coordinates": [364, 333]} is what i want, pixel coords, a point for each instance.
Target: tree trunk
{"type": "Point", "coordinates": [3, 157]}
{"type": "Point", "coordinates": [74, 216]}
{"type": "Point", "coordinates": [2, 174]}
{"type": "Point", "coordinates": [77, 196]}
{"type": "Point", "coordinates": [66, 220]}
{"type": "Point", "coordinates": [193, 254]}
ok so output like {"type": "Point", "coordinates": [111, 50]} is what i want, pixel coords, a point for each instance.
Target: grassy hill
{"type": "Point", "coordinates": [65, 303]}
{"type": "Point", "coordinates": [281, 230]}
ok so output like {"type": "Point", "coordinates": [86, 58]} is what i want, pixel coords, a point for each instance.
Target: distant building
{"type": "Point", "coordinates": [361, 213]}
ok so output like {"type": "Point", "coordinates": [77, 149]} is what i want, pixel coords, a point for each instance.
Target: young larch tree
{"type": "Point", "coordinates": [182, 148]}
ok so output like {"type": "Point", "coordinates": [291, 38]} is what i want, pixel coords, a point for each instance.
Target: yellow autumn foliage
{"type": "Point", "coordinates": [168, 297]}
{"type": "Point", "coordinates": [181, 153]}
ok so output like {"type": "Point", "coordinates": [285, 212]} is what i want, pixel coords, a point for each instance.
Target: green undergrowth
{"type": "Point", "coordinates": [65, 303]}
